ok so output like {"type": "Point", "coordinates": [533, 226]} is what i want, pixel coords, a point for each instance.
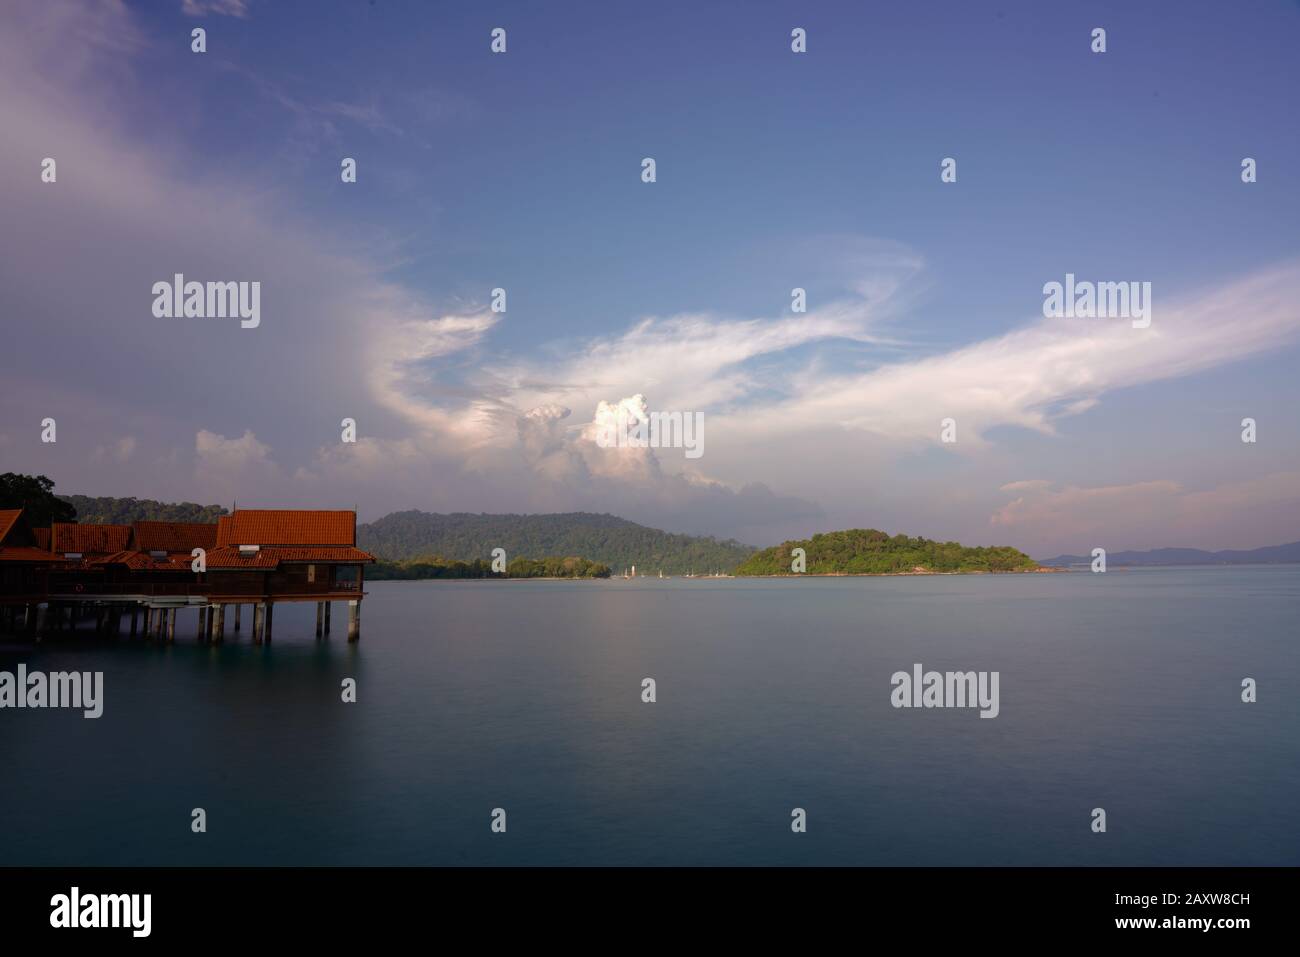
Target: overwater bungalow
{"type": "Point", "coordinates": [24, 568]}
{"type": "Point", "coordinates": [255, 557]}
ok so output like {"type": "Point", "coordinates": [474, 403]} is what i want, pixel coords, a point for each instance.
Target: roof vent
{"type": "Point", "coordinates": [157, 553]}
{"type": "Point", "coordinates": [249, 549]}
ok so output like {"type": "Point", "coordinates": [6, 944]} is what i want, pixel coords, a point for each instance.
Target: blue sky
{"type": "Point", "coordinates": [775, 170]}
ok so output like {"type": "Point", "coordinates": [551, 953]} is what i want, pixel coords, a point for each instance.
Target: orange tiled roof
{"type": "Point", "coordinates": [8, 519]}
{"type": "Point", "coordinates": [138, 561]}
{"type": "Point", "coordinates": [228, 556]}
{"type": "Point", "coordinates": [321, 553]}
{"type": "Point", "coordinates": [277, 526]}
{"type": "Point", "coordinates": [89, 539]}
{"type": "Point", "coordinates": [173, 536]}
{"type": "Point", "coordinates": [42, 537]}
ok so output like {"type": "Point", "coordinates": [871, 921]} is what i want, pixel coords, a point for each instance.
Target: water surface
{"type": "Point", "coordinates": [1119, 691]}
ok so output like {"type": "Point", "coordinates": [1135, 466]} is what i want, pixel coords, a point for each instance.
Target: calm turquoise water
{"type": "Point", "coordinates": [1119, 691]}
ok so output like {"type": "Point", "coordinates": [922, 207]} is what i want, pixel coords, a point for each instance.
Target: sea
{"type": "Point", "coordinates": [507, 723]}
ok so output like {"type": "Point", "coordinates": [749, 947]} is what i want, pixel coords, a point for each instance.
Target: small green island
{"type": "Point", "coordinates": [438, 567]}
{"type": "Point", "coordinates": [867, 551]}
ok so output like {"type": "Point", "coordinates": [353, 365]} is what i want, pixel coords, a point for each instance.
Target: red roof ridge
{"type": "Point", "coordinates": [152, 536]}
{"type": "Point", "coordinates": [99, 538]}
{"type": "Point", "coordinates": [288, 526]}
{"type": "Point", "coordinates": [8, 519]}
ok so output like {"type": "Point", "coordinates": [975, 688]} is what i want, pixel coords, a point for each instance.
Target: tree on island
{"type": "Point", "coordinates": [34, 494]}
{"type": "Point", "coordinates": [868, 551]}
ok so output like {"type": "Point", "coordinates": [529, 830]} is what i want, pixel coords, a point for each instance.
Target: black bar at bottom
{"type": "Point", "coordinates": [331, 906]}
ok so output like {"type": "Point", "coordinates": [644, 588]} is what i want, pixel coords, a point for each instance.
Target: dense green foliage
{"type": "Point", "coordinates": [124, 511]}
{"type": "Point", "coordinates": [866, 551]}
{"type": "Point", "coordinates": [571, 567]}
{"type": "Point", "coordinates": [606, 539]}
{"type": "Point", "coordinates": [34, 494]}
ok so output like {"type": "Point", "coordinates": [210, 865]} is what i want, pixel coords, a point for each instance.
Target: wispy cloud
{"type": "Point", "coordinates": [225, 8]}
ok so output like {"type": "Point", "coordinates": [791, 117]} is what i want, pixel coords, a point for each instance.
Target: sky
{"type": "Point", "coordinates": [774, 170]}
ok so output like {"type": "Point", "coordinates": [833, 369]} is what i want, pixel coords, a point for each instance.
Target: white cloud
{"type": "Point", "coordinates": [225, 8]}
{"type": "Point", "coordinates": [232, 468]}
{"type": "Point", "coordinates": [119, 451]}
{"type": "Point", "coordinates": [1048, 369]}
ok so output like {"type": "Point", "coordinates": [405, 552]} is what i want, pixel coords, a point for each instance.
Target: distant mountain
{"type": "Point", "coordinates": [124, 511]}
{"type": "Point", "coordinates": [607, 539]}
{"type": "Point", "coordinates": [867, 551]}
{"type": "Point", "coordinates": [1272, 554]}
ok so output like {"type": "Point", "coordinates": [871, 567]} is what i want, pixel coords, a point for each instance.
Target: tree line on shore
{"type": "Point", "coordinates": [438, 567]}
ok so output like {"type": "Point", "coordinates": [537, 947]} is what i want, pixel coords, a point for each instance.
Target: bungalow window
{"type": "Point", "coordinates": [345, 576]}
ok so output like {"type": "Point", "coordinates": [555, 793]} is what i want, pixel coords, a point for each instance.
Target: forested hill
{"type": "Point", "coordinates": [124, 511]}
{"type": "Point", "coordinates": [1270, 554]}
{"type": "Point", "coordinates": [866, 551]}
{"type": "Point", "coordinates": [606, 539]}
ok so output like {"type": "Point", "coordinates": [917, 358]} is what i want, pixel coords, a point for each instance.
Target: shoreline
{"type": "Point", "coordinates": [927, 574]}
{"type": "Point", "coordinates": [540, 578]}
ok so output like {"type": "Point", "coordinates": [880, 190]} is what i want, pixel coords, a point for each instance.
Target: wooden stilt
{"type": "Point", "coordinates": [258, 614]}
{"type": "Point", "coordinates": [237, 607]}
{"type": "Point", "coordinates": [135, 619]}
{"type": "Point", "coordinates": [328, 605]}
{"type": "Point", "coordinates": [221, 624]}
{"type": "Point", "coordinates": [320, 618]}
{"type": "Point", "coordinates": [354, 620]}
{"type": "Point", "coordinates": [270, 612]}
